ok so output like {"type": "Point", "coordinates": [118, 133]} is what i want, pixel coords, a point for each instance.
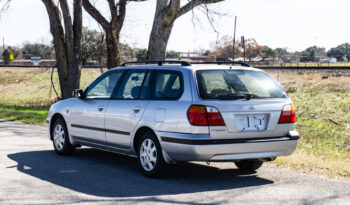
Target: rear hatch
{"type": "Point", "coordinates": [249, 101]}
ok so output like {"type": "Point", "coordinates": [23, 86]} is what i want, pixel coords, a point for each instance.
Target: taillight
{"type": "Point", "coordinates": [197, 115]}
{"type": "Point", "coordinates": [201, 115]}
{"type": "Point", "coordinates": [214, 117]}
{"type": "Point", "coordinates": [287, 114]}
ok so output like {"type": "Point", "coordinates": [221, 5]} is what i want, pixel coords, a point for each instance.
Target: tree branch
{"type": "Point", "coordinates": [68, 25]}
{"type": "Point", "coordinates": [209, 18]}
{"type": "Point", "coordinates": [5, 5]}
{"type": "Point", "coordinates": [121, 14]}
{"type": "Point", "coordinates": [190, 5]}
{"type": "Point", "coordinates": [161, 7]}
{"type": "Point", "coordinates": [69, 35]}
{"type": "Point", "coordinates": [77, 29]}
{"type": "Point", "coordinates": [95, 14]}
{"type": "Point", "coordinates": [57, 31]}
{"type": "Point", "coordinates": [112, 7]}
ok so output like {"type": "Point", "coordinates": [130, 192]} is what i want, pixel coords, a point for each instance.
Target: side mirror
{"type": "Point", "coordinates": [77, 93]}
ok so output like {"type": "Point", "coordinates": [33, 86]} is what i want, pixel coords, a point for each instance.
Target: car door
{"type": "Point", "coordinates": [126, 108]}
{"type": "Point", "coordinates": [170, 99]}
{"type": "Point", "coordinates": [87, 114]}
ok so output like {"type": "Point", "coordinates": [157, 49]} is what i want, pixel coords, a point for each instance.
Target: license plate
{"type": "Point", "coordinates": [251, 122]}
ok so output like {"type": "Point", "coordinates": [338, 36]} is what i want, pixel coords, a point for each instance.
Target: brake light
{"type": "Point", "coordinates": [287, 115]}
{"type": "Point", "coordinates": [214, 117]}
{"type": "Point", "coordinates": [201, 115]}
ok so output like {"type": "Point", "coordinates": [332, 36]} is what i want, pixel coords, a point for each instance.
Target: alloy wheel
{"type": "Point", "coordinates": [148, 154]}
{"type": "Point", "coordinates": [59, 137]}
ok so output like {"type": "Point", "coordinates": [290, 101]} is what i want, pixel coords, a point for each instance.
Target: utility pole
{"type": "Point", "coordinates": [243, 46]}
{"type": "Point", "coordinates": [3, 43]}
{"type": "Point", "coordinates": [234, 40]}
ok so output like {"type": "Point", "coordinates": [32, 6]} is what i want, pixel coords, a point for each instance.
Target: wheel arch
{"type": "Point", "coordinates": [138, 134]}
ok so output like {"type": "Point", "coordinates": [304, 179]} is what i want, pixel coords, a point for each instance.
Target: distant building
{"type": "Point", "coordinates": [328, 60]}
{"type": "Point", "coordinates": [280, 62]}
{"type": "Point", "coordinates": [197, 57]}
{"type": "Point", "coordinates": [35, 60]}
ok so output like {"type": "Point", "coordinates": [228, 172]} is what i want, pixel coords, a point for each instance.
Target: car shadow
{"type": "Point", "coordinates": [101, 173]}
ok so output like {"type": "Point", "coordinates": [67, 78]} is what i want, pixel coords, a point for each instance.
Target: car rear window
{"type": "Point", "coordinates": [237, 84]}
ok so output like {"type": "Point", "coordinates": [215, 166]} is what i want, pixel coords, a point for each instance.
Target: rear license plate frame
{"type": "Point", "coordinates": [251, 122]}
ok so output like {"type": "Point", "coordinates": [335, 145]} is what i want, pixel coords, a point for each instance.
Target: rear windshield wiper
{"type": "Point", "coordinates": [246, 96]}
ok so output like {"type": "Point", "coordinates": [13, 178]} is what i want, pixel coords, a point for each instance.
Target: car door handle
{"type": "Point", "coordinates": [100, 109]}
{"type": "Point", "coordinates": [136, 109]}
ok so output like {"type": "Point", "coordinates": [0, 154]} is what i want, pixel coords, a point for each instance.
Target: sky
{"type": "Point", "coordinates": [291, 24]}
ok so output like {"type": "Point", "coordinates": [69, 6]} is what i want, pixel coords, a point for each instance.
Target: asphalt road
{"type": "Point", "coordinates": [31, 173]}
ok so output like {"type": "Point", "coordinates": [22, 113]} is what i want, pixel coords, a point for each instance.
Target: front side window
{"type": "Point", "coordinates": [237, 84]}
{"type": "Point", "coordinates": [167, 85]}
{"type": "Point", "coordinates": [103, 87]}
{"type": "Point", "coordinates": [131, 85]}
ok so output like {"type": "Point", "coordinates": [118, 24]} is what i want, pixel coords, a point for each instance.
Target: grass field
{"type": "Point", "coordinates": [322, 104]}
{"type": "Point", "coordinates": [323, 120]}
{"type": "Point", "coordinates": [26, 93]}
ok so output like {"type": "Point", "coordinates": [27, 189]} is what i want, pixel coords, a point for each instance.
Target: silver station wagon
{"type": "Point", "coordinates": [168, 111]}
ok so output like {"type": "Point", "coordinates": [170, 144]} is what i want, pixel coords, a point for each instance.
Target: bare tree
{"type": "Point", "coordinates": [112, 28]}
{"type": "Point", "coordinates": [67, 42]}
{"type": "Point", "coordinates": [167, 11]}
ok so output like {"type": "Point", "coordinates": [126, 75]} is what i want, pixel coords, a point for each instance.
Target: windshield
{"type": "Point", "coordinates": [237, 84]}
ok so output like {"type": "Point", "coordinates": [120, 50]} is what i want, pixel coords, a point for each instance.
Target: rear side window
{"type": "Point", "coordinates": [168, 85]}
{"type": "Point", "coordinates": [237, 84]}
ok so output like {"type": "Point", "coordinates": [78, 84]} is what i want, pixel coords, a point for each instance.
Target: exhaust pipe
{"type": "Point", "coordinates": [269, 159]}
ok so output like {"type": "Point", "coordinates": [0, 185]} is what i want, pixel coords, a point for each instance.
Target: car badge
{"type": "Point", "coordinates": [251, 107]}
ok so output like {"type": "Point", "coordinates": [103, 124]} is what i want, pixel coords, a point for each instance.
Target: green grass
{"type": "Point", "coordinates": [31, 115]}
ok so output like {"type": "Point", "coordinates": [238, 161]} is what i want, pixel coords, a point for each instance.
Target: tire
{"type": "Point", "coordinates": [150, 157]}
{"type": "Point", "coordinates": [60, 138]}
{"type": "Point", "coordinates": [249, 165]}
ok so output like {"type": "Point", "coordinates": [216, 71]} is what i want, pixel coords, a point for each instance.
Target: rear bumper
{"type": "Point", "coordinates": [188, 147]}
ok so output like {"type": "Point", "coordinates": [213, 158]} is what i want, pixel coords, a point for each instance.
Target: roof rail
{"type": "Point", "coordinates": [160, 63]}
{"type": "Point", "coordinates": [224, 63]}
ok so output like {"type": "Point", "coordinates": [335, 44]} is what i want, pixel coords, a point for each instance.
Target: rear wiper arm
{"type": "Point", "coordinates": [248, 96]}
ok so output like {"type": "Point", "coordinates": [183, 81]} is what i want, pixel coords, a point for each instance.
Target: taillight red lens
{"type": "Point", "coordinates": [201, 115]}
{"type": "Point", "coordinates": [214, 117]}
{"type": "Point", "coordinates": [287, 115]}
{"type": "Point", "coordinates": [197, 115]}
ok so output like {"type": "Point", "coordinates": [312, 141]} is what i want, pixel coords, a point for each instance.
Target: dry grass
{"type": "Point", "coordinates": [315, 165]}
{"type": "Point", "coordinates": [31, 87]}
{"type": "Point", "coordinates": [323, 120]}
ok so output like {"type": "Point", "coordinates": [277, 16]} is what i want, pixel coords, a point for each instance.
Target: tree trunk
{"type": "Point", "coordinates": [158, 40]}
{"type": "Point", "coordinates": [67, 44]}
{"type": "Point", "coordinates": [167, 11]}
{"type": "Point", "coordinates": [112, 41]}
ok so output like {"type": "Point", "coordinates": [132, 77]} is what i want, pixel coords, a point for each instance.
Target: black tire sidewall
{"type": "Point", "coordinates": [159, 166]}
{"type": "Point", "coordinates": [249, 165]}
{"type": "Point", "coordinates": [67, 146]}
